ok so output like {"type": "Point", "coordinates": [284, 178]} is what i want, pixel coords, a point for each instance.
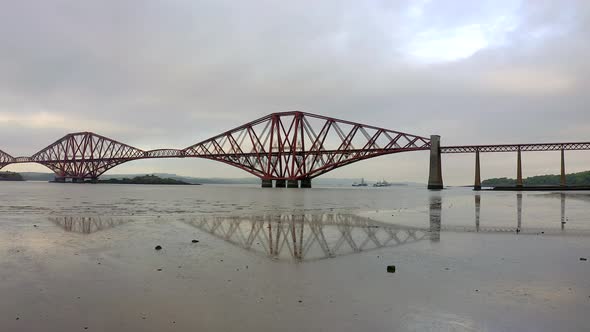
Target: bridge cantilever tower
{"type": "Point", "coordinates": [84, 155]}
{"type": "Point", "coordinates": [293, 147]}
{"type": "Point", "coordinates": [5, 159]}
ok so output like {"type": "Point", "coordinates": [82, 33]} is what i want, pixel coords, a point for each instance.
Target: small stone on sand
{"type": "Point", "coordinates": [391, 268]}
{"type": "Point", "coordinates": [195, 241]}
{"type": "Point", "coordinates": [158, 247]}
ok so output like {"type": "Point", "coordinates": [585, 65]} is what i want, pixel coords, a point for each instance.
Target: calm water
{"type": "Point", "coordinates": [82, 256]}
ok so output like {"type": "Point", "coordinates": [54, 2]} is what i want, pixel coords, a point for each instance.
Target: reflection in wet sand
{"type": "Point", "coordinates": [435, 217]}
{"type": "Point", "coordinates": [518, 211]}
{"type": "Point", "coordinates": [435, 213]}
{"type": "Point", "coordinates": [86, 225]}
{"type": "Point", "coordinates": [477, 211]}
{"type": "Point", "coordinates": [562, 198]}
{"type": "Point", "coordinates": [305, 237]}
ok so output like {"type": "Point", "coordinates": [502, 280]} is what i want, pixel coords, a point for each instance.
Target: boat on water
{"type": "Point", "coordinates": [381, 184]}
{"type": "Point", "coordinates": [361, 184]}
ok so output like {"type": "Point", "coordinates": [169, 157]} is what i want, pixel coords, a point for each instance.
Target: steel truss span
{"type": "Point", "coordinates": [516, 147]}
{"type": "Point", "coordinates": [279, 146]}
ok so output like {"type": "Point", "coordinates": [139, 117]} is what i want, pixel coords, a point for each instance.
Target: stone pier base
{"type": "Point", "coordinates": [266, 183]}
{"type": "Point", "coordinates": [280, 183]}
{"type": "Point", "coordinates": [306, 183]}
{"type": "Point", "coordinates": [435, 180]}
{"type": "Point", "coordinates": [292, 184]}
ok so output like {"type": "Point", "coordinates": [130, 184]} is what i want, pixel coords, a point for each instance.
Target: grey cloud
{"type": "Point", "coordinates": [170, 73]}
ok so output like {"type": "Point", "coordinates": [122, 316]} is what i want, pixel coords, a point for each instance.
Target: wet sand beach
{"type": "Point", "coordinates": [82, 257]}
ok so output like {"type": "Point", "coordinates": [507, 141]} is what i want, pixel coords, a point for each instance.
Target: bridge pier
{"type": "Point", "coordinates": [292, 184]}
{"type": "Point", "coordinates": [266, 183]}
{"type": "Point", "coordinates": [306, 183]}
{"type": "Point", "coordinates": [435, 180]}
{"type": "Point", "coordinates": [562, 181]}
{"type": "Point", "coordinates": [59, 179]}
{"type": "Point", "coordinates": [518, 168]}
{"type": "Point", "coordinates": [477, 182]}
{"type": "Point", "coordinates": [280, 183]}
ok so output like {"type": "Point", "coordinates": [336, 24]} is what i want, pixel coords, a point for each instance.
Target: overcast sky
{"type": "Point", "coordinates": [170, 73]}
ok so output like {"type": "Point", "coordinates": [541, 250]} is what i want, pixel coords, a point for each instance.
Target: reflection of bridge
{"type": "Point", "coordinates": [307, 236]}
{"type": "Point", "coordinates": [289, 148]}
{"type": "Point", "coordinates": [86, 225]}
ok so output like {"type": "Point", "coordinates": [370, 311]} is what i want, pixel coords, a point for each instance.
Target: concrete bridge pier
{"type": "Point", "coordinates": [435, 180]}
{"type": "Point", "coordinates": [306, 183]}
{"type": "Point", "coordinates": [518, 168]}
{"type": "Point", "coordinates": [59, 179]}
{"type": "Point", "coordinates": [266, 183]}
{"type": "Point", "coordinates": [562, 181]}
{"type": "Point", "coordinates": [477, 182]}
{"type": "Point", "coordinates": [280, 183]}
{"type": "Point", "coordinates": [292, 183]}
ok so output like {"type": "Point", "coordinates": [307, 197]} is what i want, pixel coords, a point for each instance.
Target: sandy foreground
{"type": "Point", "coordinates": [56, 276]}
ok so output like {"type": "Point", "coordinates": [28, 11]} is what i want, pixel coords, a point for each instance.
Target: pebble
{"type": "Point", "coordinates": [583, 259]}
{"type": "Point", "coordinates": [195, 241]}
{"type": "Point", "coordinates": [158, 247]}
{"type": "Point", "coordinates": [159, 269]}
{"type": "Point", "coordinates": [391, 268]}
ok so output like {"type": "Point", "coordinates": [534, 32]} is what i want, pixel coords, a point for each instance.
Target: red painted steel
{"type": "Point", "coordinates": [84, 155]}
{"type": "Point", "coordinates": [287, 145]}
{"type": "Point", "coordinates": [297, 145]}
{"type": "Point", "coordinates": [5, 159]}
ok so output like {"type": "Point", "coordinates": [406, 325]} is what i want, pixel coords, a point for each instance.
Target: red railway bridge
{"type": "Point", "coordinates": [289, 148]}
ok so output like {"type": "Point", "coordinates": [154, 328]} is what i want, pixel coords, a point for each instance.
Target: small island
{"type": "Point", "coordinates": [146, 179]}
{"type": "Point", "coordinates": [10, 176]}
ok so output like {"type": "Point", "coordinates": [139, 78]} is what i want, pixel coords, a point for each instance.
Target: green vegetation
{"type": "Point", "coordinates": [573, 179]}
{"type": "Point", "coordinates": [146, 179]}
{"type": "Point", "coordinates": [10, 176]}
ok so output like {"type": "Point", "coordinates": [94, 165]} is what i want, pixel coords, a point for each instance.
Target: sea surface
{"type": "Point", "coordinates": [243, 258]}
